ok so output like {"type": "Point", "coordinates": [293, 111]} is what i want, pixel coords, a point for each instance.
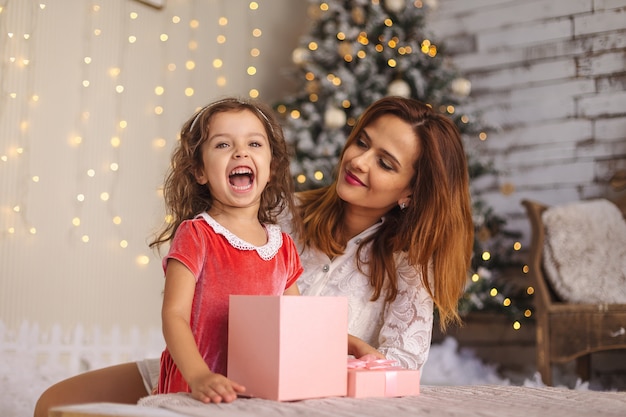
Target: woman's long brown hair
{"type": "Point", "coordinates": [436, 226]}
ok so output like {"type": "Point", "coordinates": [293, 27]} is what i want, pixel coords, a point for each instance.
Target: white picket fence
{"type": "Point", "coordinates": [32, 359]}
{"type": "Point", "coordinates": [80, 348]}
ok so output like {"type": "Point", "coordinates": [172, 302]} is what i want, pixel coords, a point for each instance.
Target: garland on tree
{"type": "Point", "coordinates": [359, 51]}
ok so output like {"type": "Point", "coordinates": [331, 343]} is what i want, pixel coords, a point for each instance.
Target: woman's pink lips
{"type": "Point", "coordinates": [352, 179]}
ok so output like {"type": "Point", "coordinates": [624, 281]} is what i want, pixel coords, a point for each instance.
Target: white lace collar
{"type": "Point", "coordinates": [266, 252]}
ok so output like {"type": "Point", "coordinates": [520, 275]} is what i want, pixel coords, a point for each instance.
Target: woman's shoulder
{"type": "Point", "coordinates": [407, 272]}
{"type": "Point", "coordinates": [285, 221]}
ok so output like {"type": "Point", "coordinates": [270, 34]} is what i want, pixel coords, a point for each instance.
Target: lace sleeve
{"type": "Point", "coordinates": [406, 332]}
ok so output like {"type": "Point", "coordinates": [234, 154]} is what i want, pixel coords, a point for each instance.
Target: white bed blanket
{"type": "Point", "coordinates": [441, 401]}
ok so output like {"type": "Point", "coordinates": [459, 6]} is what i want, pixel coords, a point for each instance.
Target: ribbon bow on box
{"type": "Point", "coordinates": [386, 378]}
{"type": "Point", "coordinates": [372, 363]}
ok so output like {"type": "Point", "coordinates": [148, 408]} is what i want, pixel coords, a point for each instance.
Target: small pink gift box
{"type": "Point", "coordinates": [288, 347]}
{"type": "Point", "coordinates": [380, 378]}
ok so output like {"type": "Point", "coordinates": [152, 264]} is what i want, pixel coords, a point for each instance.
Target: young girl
{"type": "Point", "coordinates": [229, 180]}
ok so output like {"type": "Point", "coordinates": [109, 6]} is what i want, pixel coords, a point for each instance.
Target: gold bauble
{"type": "Point", "coordinates": [358, 15]}
{"type": "Point", "coordinates": [313, 87]}
{"type": "Point", "coordinates": [483, 234]}
{"type": "Point", "coordinates": [314, 12]}
{"type": "Point", "coordinates": [507, 188]}
{"type": "Point", "coordinates": [345, 48]}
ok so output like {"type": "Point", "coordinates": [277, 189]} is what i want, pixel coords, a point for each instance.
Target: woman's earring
{"type": "Point", "coordinates": [402, 206]}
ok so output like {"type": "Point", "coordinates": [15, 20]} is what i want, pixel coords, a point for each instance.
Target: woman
{"type": "Point", "coordinates": [393, 233]}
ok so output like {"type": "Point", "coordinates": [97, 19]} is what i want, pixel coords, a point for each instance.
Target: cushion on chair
{"type": "Point", "coordinates": [585, 252]}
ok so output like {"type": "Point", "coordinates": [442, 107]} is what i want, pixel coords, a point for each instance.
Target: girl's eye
{"type": "Point", "coordinates": [256, 144]}
{"type": "Point", "coordinates": [221, 145]}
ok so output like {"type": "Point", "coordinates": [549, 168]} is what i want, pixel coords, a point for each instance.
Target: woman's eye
{"type": "Point", "coordinates": [385, 165]}
{"type": "Point", "coordinates": [361, 143]}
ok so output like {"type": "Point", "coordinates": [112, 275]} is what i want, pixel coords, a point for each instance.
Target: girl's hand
{"type": "Point", "coordinates": [210, 387]}
{"type": "Point", "coordinates": [358, 348]}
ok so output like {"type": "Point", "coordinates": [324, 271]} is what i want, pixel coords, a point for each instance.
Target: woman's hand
{"type": "Point", "coordinates": [358, 348]}
{"type": "Point", "coordinates": [210, 387]}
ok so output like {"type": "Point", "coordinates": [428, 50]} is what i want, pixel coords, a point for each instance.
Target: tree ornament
{"type": "Point", "coordinates": [358, 15]}
{"type": "Point", "coordinates": [313, 87]}
{"type": "Point", "coordinates": [483, 234]}
{"type": "Point", "coordinates": [399, 88]}
{"type": "Point", "coordinates": [314, 12]}
{"type": "Point", "coordinates": [507, 188]}
{"type": "Point", "coordinates": [334, 117]}
{"type": "Point", "coordinates": [461, 87]}
{"type": "Point", "coordinates": [395, 6]}
{"type": "Point", "coordinates": [299, 55]}
{"type": "Point", "coordinates": [345, 48]}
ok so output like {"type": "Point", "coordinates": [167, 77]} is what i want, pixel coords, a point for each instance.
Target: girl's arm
{"type": "Point", "coordinates": [293, 290]}
{"type": "Point", "coordinates": [205, 385]}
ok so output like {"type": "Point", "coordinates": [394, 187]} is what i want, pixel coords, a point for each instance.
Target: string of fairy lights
{"type": "Point", "coordinates": [17, 96]}
{"type": "Point", "coordinates": [97, 150]}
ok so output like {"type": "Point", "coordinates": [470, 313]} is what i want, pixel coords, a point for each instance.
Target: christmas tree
{"type": "Point", "coordinates": [358, 51]}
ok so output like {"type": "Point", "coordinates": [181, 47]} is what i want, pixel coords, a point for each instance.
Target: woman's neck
{"type": "Point", "coordinates": [354, 222]}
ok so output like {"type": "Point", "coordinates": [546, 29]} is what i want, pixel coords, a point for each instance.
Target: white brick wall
{"type": "Point", "coordinates": [549, 78]}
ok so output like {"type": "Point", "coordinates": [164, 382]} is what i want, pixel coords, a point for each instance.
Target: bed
{"type": "Point", "coordinates": [440, 401]}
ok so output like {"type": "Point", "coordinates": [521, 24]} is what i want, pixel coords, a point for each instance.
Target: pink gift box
{"type": "Point", "coordinates": [288, 347]}
{"type": "Point", "coordinates": [381, 379]}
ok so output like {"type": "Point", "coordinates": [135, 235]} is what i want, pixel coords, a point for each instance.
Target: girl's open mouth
{"type": "Point", "coordinates": [241, 178]}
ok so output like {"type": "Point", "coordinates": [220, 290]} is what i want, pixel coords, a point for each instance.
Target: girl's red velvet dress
{"type": "Point", "coordinates": [223, 265]}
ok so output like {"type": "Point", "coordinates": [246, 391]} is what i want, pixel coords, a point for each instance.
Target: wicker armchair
{"type": "Point", "coordinates": [567, 331]}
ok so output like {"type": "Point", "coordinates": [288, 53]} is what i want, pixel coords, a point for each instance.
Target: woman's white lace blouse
{"type": "Point", "coordinates": [402, 329]}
